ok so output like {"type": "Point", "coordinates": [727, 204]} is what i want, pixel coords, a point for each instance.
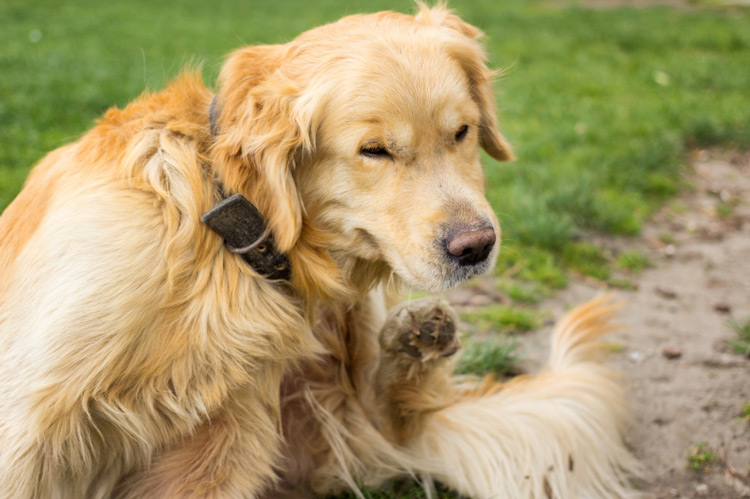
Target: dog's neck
{"type": "Point", "coordinates": [310, 266]}
{"type": "Point", "coordinates": [243, 228]}
{"type": "Point", "coordinates": [244, 231]}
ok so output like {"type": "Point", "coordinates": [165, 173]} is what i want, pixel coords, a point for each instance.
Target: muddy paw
{"type": "Point", "coordinates": [423, 329]}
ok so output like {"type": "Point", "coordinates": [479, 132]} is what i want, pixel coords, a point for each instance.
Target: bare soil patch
{"type": "Point", "coordinates": [685, 385]}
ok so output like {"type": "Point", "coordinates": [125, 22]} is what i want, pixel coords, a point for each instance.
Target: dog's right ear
{"type": "Point", "coordinates": [259, 140]}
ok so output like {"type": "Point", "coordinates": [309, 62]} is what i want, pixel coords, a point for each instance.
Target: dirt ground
{"type": "Point", "coordinates": [699, 281]}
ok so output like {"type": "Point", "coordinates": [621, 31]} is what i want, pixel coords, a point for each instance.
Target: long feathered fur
{"type": "Point", "coordinates": [139, 358]}
{"type": "Point", "coordinates": [555, 434]}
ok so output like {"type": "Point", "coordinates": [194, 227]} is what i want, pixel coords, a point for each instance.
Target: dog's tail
{"type": "Point", "coordinates": [553, 435]}
{"type": "Point", "coordinates": [576, 335]}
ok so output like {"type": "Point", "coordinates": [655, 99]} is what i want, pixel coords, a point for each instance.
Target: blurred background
{"type": "Point", "coordinates": [611, 105]}
{"type": "Point", "coordinates": [602, 99]}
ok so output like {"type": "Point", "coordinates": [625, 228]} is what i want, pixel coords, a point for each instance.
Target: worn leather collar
{"type": "Point", "coordinates": [243, 229]}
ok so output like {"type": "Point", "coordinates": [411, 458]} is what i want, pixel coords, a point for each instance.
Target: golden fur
{"type": "Point", "coordinates": [139, 358]}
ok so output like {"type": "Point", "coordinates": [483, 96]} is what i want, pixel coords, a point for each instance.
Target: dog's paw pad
{"type": "Point", "coordinates": [423, 329]}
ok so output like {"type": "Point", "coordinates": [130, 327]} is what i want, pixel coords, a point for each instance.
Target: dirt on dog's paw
{"type": "Point", "coordinates": [422, 329]}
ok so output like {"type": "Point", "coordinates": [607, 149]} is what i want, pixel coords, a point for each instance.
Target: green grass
{"type": "Point", "coordinates": [724, 210]}
{"type": "Point", "coordinates": [497, 355]}
{"type": "Point", "coordinates": [622, 283]}
{"type": "Point", "coordinates": [502, 318]}
{"type": "Point", "coordinates": [700, 458]}
{"type": "Point", "coordinates": [632, 262]}
{"type": "Point", "coordinates": [604, 120]}
{"type": "Point", "coordinates": [745, 412]}
{"type": "Point", "coordinates": [666, 237]}
{"type": "Point", "coordinates": [522, 292]}
{"type": "Point", "coordinates": [741, 344]}
{"type": "Point", "coordinates": [533, 265]}
{"type": "Point", "coordinates": [601, 105]}
{"type": "Point", "coordinates": [587, 259]}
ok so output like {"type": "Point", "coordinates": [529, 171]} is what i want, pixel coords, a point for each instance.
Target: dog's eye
{"type": "Point", "coordinates": [461, 133]}
{"type": "Point", "coordinates": [375, 151]}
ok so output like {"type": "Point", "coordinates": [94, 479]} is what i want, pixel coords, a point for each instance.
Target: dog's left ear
{"type": "Point", "coordinates": [462, 43]}
{"type": "Point", "coordinates": [261, 137]}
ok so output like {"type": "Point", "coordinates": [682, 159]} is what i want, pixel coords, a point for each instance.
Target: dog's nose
{"type": "Point", "coordinates": [470, 244]}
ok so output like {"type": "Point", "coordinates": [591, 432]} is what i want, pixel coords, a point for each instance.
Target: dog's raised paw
{"type": "Point", "coordinates": [422, 329]}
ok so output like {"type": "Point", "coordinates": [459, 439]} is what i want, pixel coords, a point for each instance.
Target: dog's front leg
{"type": "Point", "coordinates": [417, 341]}
{"type": "Point", "coordinates": [232, 455]}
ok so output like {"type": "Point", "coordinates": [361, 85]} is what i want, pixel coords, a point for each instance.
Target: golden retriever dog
{"type": "Point", "coordinates": [142, 354]}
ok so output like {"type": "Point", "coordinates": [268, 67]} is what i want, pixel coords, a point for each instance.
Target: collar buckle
{"type": "Point", "coordinates": [245, 233]}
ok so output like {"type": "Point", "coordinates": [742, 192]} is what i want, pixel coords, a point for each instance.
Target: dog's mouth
{"type": "Point", "coordinates": [457, 273]}
{"type": "Point", "coordinates": [461, 252]}
{"type": "Point", "coordinates": [430, 276]}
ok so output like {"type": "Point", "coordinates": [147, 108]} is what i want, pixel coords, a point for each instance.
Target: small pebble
{"type": "Point", "coordinates": [672, 353]}
{"type": "Point", "coordinates": [723, 307]}
{"type": "Point", "coordinates": [635, 357]}
{"type": "Point", "coordinates": [666, 293]}
{"type": "Point", "coordinates": [701, 489]}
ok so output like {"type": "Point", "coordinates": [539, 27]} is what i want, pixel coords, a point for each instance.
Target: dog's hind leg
{"type": "Point", "coordinates": [556, 434]}
{"type": "Point", "coordinates": [230, 456]}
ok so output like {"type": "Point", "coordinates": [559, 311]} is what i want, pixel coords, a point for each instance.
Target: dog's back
{"type": "Point", "coordinates": [109, 307]}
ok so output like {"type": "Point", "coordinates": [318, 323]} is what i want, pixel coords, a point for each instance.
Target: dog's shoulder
{"type": "Point", "coordinates": [154, 149]}
{"type": "Point", "coordinates": [173, 121]}
{"type": "Point", "coordinates": [181, 108]}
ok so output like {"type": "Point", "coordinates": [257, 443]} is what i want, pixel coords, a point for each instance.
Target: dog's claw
{"type": "Point", "coordinates": [426, 331]}
{"type": "Point", "coordinates": [412, 351]}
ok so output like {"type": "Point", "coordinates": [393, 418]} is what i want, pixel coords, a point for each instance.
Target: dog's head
{"type": "Point", "coordinates": [368, 130]}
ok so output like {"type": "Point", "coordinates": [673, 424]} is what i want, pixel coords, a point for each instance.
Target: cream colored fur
{"type": "Point", "coordinates": [555, 434]}
{"type": "Point", "coordinates": [139, 358]}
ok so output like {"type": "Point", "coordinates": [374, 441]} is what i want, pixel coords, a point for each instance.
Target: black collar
{"type": "Point", "coordinates": [244, 231]}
